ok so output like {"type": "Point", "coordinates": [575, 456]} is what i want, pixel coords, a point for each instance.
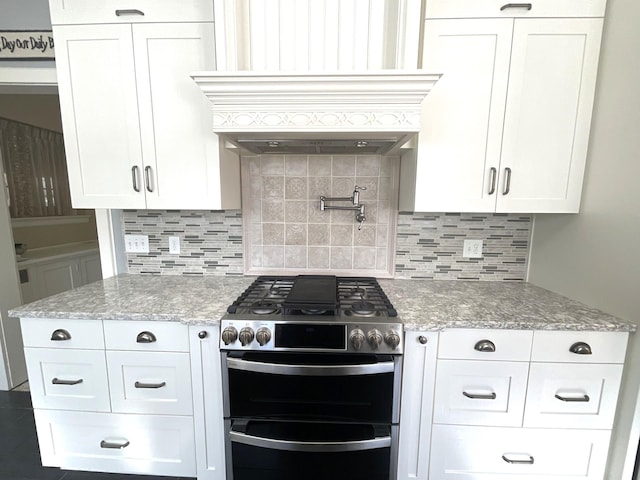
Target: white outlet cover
{"type": "Point", "coordinates": [174, 245]}
{"type": "Point", "coordinates": [472, 249]}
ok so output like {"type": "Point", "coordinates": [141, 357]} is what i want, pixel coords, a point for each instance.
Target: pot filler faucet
{"type": "Point", "coordinates": [356, 205]}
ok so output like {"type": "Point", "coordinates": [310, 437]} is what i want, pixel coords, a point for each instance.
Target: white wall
{"type": "Point", "coordinates": [593, 257]}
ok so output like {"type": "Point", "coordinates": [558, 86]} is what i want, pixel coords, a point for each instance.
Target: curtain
{"type": "Point", "coordinates": [36, 170]}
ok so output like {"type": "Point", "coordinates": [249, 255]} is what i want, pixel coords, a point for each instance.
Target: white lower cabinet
{"type": "Point", "coordinates": [482, 404]}
{"type": "Point", "coordinates": [487, 453]}
{"type": "Point", "coordinates": [108, 442]}
{"type": "Point", "coordinates": [119, 403]}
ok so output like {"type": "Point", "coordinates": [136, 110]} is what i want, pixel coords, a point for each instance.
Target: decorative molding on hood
{"type": "Point", "coordinates": [384, 101]}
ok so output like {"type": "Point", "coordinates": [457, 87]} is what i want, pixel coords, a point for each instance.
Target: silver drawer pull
{"type": "Point", "coordinates": [583, 398]}
{"type": "Point", "coordinates": [57, 381]}
{"type": "Point", "coordinates": [581, 348]}
{"type": "Point", "coordinates": [485, 346]}
{"type": "Point", "coordinates": [60, 334]}
{"type": "Point", "coordinates": [507, 181]}
{"type": "Point", "coordinates": [134, 178]}
{"type": "Point", "coordinates": [528, 6]}
{"type": "Point", "coordinates": [146, 337]}
{"type": "Point", "coordinates": [131, 11]}
{"type": "Point", "coordinates": [529, 461]}
{"type": "Point", "coordinates": [494, 174]}
{"type": "Point", "coordinates": [480, 396]}
{"type": "Point", "coordinates": [149, 385]}
{"type": "Point", "coordinates": [120, 446]}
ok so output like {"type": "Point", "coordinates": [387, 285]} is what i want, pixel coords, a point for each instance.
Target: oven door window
{"type": "Point", "coordinates": [288, 451]}
{"type": "Point", "coordinates": [332, 388]}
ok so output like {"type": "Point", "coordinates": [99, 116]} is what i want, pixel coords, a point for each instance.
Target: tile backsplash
{"type": "Point", "coordinates": [427, 245]}
{"type": "Point", "coordinates": [286, 231]}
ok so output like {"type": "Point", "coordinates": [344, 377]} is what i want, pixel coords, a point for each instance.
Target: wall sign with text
{"type": "Point", "coordinates": [26, 45]}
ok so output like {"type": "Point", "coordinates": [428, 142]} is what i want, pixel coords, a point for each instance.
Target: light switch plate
{"type": "Point", "coordinates": [472, 249]}
{"type": "Point", "coordinates": [136, 243]}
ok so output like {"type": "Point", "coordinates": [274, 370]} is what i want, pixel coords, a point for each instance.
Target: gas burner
{"type": "Point", "coordinates": [278, 292]}
{"type": "Point", "coordinates": [362, 309]}
{"type": "Point", "coordinates": [354, 293]}
{"type": "Point", "coordinates": [263, 308]}
{"type": "Point", "coordinates": [313, 311]}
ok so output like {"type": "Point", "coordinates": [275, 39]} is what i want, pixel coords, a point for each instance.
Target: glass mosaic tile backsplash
{"type": "Point", "coordinates": [427, 245]}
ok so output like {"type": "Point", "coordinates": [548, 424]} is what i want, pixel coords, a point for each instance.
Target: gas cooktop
{"type": "Point", "coordinates": [312, 312]}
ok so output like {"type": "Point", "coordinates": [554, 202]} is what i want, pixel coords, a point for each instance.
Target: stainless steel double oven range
{"type": "Point", "coordinates": [311, 371]}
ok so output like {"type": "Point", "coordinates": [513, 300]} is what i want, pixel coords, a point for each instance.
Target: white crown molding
{"type": "Point", "coordinates": [371, 101]}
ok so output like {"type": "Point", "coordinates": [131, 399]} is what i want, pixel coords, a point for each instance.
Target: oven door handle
{"type": "Point", "coordinates": [293, 446]}
{"type": "Point", "coordinates": [313, 370]}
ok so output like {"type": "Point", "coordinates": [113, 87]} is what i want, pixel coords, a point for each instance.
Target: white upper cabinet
{"type": "Point", "coordinates": [136, 126]}
{"type": "Point", "coordinates": [69, 12]}
{"type": "Point", "coordinates": [506, 128]}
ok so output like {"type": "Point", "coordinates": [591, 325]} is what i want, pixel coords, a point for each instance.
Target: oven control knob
{"type": "Point", "coordinates": [263, 335]}
{"type": "Point", "coordinates": [357, 338]}
{"type": "Point", "coordinates": [229, 335]}
{"type": "Point", "coordinates": [246, 336]}
{"type": "Point", "coordinates": [392, 339]}
{"type": "Point", "coordinates": [375, 338]}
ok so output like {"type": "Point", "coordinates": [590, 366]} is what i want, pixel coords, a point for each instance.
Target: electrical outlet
{"type": "Point", "coordinates": [136, 243]}
{"type": "Point", "coordinates": [174, 245]}
{"type": "Point", "coordinates": [472, 249]}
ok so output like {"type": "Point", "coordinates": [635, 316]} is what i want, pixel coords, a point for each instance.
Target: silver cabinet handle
{"type": "Point", "coordinates": [492, 182]}
{"type": "Point", "coordinates": [423, 340]}
{"type": "Point", "coordinates": [149, 385]}
{"type": "Point", "coordinates": [314, 370]}
{"type": "Point", "coordinates": [132, 11]}
{"type": "Point", "coordinates": [581, 348]}
{"type": "Point", "coordinates": [203, 334]}
{"type": "Point", "coordinates": [529, 461]}
{"type": "Point", "coordinates": [583, 398]}
{"type": "Point", "coordinates": [134, 178]}
{"type": "Point", "coordinates": [528, 6]}
{"type": "Point", "coordinates": [507, 181]}
{"type": "Point", "coordinates": [295, 446]}
{"type": "Point", "coordinates": [146, 337]}
{"type": "Point", "coordinates": [147, 178]}
{"type": "Point", "coordinates": [485, 346]}
{"type": "Point", "coordinates": [60, 335]}
{"type": "Point", "coordinates": [105, 444]}
{"type": "Point", "coordinates": [480, 396]}
{"type": "Point", "coordinates": [57, 381]}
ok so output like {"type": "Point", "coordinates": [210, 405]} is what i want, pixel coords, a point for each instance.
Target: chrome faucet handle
{"type": "Point", "coordinates": [356, 195]}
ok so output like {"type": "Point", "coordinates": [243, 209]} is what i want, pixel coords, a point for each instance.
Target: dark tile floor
{"type": "Point", "coordinates": [19, 454]}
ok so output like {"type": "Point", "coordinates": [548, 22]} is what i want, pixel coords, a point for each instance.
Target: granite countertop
{"type": "Point", "coordinates": [421, 304]}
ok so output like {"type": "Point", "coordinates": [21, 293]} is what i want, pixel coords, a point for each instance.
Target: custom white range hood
{"type": "Point", "coordinates": [366, 112]}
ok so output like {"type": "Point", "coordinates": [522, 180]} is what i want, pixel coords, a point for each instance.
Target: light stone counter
{"type": "Point", "coordinates": [440, 304]}
{"type": "Point", "coordinates": [421, 304]}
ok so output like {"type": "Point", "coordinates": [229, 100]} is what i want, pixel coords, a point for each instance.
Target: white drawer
{"type": "Point", "coordinates": [554, 346]}
{"type": "Point", "coordinates": [155, 445]}
{"type": "Point", "coordinates": [480, 393]}
{"type": "Point", "coordinates": [150, 382]}
{"type": "Point", "coordinates": [563, 395]}
{"type": "Point", "coordinates": [66, 12]}
{"type": "Point", "coordinates": [68, 379]}
{"type": "Point", "coordinates": [55, 333]}
{"type": "Point", "coordinates": [483, 453]}
{"type": "Point", "coordinates": [146, 336]}
{"type": "Point", "coordinates": [494, 8]}
{"type": "Point", "coordinates": [477, 344]}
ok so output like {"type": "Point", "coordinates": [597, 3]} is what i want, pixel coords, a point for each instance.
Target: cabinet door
{"type": "Point", "coordinates": [57, 277]}
{"type": "Point", "coordinates": [416, 406]}
{"type": "Point", "coordinates": [207, 402]}
{"type": "Point", "coordinates": [98, 104]}
{"type": "Point", "coordinates": [459, 149]}
{"type": "Point", "coordinates": [90, 268]}
{"type": "Point", "coordinates": [179, 148]}
{"type": "Point", "coordinates": [548, 115]}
